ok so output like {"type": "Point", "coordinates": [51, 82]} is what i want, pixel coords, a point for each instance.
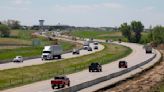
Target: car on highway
{"type": "Point", "coordinates": [148, 49]}
{"type": "Point", "coordinates": [95, 67]}
{"type": "Point", "coordinates": [96, 47]}
{"type": "Point", "coordinates": [123, 64]}
{"type": "Point", "coordinates": [76, 51]}
{"type": "Point", "coordinates": [89, 48]}
{"type": "Point", "coordinates": [106, 40]}
{"type": "Point", "coordinates": [18, 59]}
{"type": "Point", "coordinates": [60, 82]}
{"type": "Point", "coordinates": [119, 40]}
{"type": "Point", "coordinates": [95, 43]}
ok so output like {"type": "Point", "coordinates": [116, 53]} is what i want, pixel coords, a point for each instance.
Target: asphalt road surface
{"type": "Point", "coordinates": [137, 56]}
{"type": "Point", "coordinates": [38, 61]}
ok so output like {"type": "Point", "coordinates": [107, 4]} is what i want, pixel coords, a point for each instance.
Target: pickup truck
{"type": "Point", "coordinates": [60, 82]}
{"type": "Point", "coordinates": [95, 67]}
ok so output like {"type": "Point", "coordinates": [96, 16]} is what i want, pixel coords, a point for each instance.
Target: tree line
{"type": "Point", "coordinates": [133, 33]}
{"type": "Point", "coordinates": [6, 26]}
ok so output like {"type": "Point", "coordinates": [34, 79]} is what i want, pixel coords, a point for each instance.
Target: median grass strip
{"type": "Point", "coordinates": [25, 75]}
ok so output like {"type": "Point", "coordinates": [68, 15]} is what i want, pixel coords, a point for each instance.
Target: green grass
{"type": "Point", "coordinates": [161, 88]}
{"type": "Point", "coordinates": [20, 43]}
{"type": "Point", "coordinates": [30, 51]}
{"type": "Point", "coordinates": [21, 76]}
{"type": "Point", "coordinates": [98, 34]}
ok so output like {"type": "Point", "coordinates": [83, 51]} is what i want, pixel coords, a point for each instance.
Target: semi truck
{"type": "Point", "coordinates": [51, 52]}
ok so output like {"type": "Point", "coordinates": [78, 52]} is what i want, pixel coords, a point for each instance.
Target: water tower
{"type": "Point", "coordinates": [41, 25]}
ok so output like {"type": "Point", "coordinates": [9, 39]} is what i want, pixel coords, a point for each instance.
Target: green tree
{"type": "Point", "coordinates": [4, 30]}
{"type": "Point", "coordinates": [137, 27]}
{"type": "Point", "coordinates": [126, 32]}
{"type": "Point", "coordinates": [158, 34]}
{"type": "Point", "coordinates": [13, 24]}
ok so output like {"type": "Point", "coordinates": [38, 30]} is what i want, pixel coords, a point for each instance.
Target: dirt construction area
{"type": "Point", "coordinates": [147, 81]}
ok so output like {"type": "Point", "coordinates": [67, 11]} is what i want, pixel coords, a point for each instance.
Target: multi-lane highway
{"type": "Point", "coordinates": [137, 56]}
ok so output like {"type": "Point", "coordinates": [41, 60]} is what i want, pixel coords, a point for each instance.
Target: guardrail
{"type": "Point", "coordinates": [104, 78]}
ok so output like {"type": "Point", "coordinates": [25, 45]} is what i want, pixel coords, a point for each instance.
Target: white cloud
{"type": "Point", "coordinates": [113, 5]}
{"type": "Point", "coordinates": [21, 2]}
{"type": "Point", "coordinates": [76, 8]}
{"type": "Point", "coordinates": [147, 9]}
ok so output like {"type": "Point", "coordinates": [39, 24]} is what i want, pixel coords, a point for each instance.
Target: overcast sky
{"type": "Point", "coordinates": [93, 13]}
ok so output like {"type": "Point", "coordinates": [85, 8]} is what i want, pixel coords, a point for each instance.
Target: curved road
{"type": "Point", "coordinates": [137, 56]}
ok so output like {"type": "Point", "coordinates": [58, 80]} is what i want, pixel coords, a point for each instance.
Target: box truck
{"type": "Point", "coordinates": [51, 52]}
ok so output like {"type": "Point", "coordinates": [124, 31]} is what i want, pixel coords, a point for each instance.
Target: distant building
{"type": "Point", "coordinates": [41, 25]}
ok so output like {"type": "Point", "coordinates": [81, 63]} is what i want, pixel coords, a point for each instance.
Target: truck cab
{"type": "Point", "coordinates": [60, 82]}
{"type": "Point", "coordinates": [95, 67]}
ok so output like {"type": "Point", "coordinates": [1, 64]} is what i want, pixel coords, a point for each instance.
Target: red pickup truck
{"type": "Point", "coordinates": [60, 82]}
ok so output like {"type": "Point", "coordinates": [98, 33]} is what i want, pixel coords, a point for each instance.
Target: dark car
{"type": "Point", "coordinates": [123, 64]}
{"type": "Point", "coordinates": [60, 82]}
{"type": "Point", "coordinates": [76, 51]}
{"type": "Point", "coordinates": [95, 47]}
{"type": "Point", "coordinates": [95, 67]}
{"type": "Point", "coordinates": [89, 49]}
{"type": "Point", "coordinates": [119, 40]}
{"type": "Point", "coordinates": [106, 40]}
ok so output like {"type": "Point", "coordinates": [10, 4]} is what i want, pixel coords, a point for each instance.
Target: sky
{"type": "Point", "coordinates": [93, 13]}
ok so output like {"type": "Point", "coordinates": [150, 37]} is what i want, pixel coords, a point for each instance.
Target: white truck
{"type": "Point", "coordinates": [50, 52]}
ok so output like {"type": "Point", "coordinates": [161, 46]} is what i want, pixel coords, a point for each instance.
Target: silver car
{"type": "Point", "coordinates": [18, 59]}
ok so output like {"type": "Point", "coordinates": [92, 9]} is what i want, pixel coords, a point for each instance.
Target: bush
{"type": "Point", "coordinates": [4, 31]}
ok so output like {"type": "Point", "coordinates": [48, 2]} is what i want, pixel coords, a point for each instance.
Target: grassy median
{"type": "Point", "coordinates": [25, 75]}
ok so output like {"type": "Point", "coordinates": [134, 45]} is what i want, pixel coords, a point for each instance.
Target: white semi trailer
{"type": "Point", "coordinates": [50, 52]}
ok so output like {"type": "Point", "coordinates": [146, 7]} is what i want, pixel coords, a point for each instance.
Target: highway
{"type": "Point", "coordinates": [137, 56]}
{"type": "Point", "coordinates": [38, 61]}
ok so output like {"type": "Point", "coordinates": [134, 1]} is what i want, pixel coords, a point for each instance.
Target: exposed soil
{"type": "Point", "coordinates": [144, 82]}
